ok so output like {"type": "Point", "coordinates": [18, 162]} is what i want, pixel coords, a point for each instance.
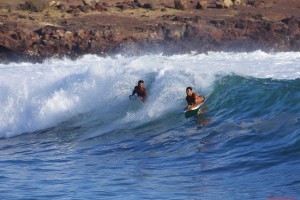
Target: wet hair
{"type": "Point", "coordinates": [189, 88]}
{"type": "Point", "coordinates": [140, 81]}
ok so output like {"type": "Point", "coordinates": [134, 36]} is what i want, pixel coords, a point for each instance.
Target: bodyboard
{"type": "Point", "coordinates": [194, 111]}
{"type": "Point", "coordinates": [134, 97]}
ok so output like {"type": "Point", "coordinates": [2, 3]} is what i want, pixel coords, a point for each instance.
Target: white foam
{"type": "Point", "coordinates": [37, 96]}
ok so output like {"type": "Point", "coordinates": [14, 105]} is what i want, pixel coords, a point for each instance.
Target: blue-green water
{"type": "Point", "coordinates": [69, 131]}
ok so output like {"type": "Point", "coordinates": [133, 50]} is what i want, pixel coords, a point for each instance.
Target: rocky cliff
{"type": "Point", "coordinates": [138, 30]}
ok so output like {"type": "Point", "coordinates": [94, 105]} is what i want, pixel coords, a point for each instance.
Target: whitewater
{"type": "Point", "coordinates": [69, 131]}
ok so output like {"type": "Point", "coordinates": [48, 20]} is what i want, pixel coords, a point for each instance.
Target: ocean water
{"type": "Point", "coordinates": [69, 131]}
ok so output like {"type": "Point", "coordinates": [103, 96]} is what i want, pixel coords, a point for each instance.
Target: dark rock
{"type": "Point", "coordinates": [179, 5]}
{"type": "Point", "coordinates": [61, 7]}
{"type": "Point", "coordinates": [74, 11]}
{"type": "Point", "coordinates": [148, 6]}
{"type": "Point", "coordinates": [84, 9]}
{"type": "Point", "coordinates": [122, 6]}
{"type": "Point", "coordinates": [129, 5]}
{"type": "Point", "coordinates": [202, 5]}
{"type": "Point", "coordinates": [239, 25]}
{"type": "Point", "coordinates": [219, 4]}
{"type": "Point", "coordinates": [22, 17]}
{"type": "Point", "coordinates": [291, 20]}
{"type": "Point", "coordinates": [217, 22]}
{"type": "Point", "coordinates": [27, 6]}
{"type": "Point", "coordinates": [250, 2]}
{"type": "Point", "coordinates": [137, 3]}
{"type": "Point", "coordinates": [5, 28]}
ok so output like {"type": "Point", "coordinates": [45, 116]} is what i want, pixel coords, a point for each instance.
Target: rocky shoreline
{"type": "Point", "coordinates": [106, 33]}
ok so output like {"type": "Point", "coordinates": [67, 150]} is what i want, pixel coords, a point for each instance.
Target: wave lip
{"type": "Point", "coordinates": [39, 96]}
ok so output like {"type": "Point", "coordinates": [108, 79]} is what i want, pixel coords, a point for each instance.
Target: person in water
{"type": "Point", "coordinates": [193, 99]}
{"type": "Point", "coordinates": [140, 90]}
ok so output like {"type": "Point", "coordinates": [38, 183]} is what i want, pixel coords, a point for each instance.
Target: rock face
{"type": "Point", "coordinates": [179, 32]}
{"type": "Point", "coordinates": [179, 5]}
{"type": "Point", "coordinates": [245, 33]}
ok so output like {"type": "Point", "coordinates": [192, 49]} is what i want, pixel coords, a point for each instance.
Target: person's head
{"type": "Point", "coordinates": [189, 91]}
{"type": "Point", "coordinates": [141, 83]}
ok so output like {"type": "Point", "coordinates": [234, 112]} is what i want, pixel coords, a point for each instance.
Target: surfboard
{"type": "Point", "coordinates": [194, 108]}
{"type": "Point", "coordinates": [194, 111]}
{"type": "Point", "coordinates": [134, 97]}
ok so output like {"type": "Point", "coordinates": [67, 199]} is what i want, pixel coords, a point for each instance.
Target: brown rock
{"type": "Point", "coordinates": [224, 3]}
{"type": "Point", "coordinates": [202, 5]}
{"type": "Point", "coordinates": [87, 2]}
{"type": "Point", "coordinates": [84, 9]}
{"type": "Point", "coordinates": [82, 34]}
{"type": "Point", "coordinates": [179, 5]}
{"type": "Point", "coordinates": [9, 43]}
{"type": "Point", "coordinates": [97, 35]}
{"type": "Point", "coordinates": [35, 37]}
{"type": "Point", "coordinates": [73, 10]}
{"type": "Point", "coordinates": [100, 7]}
{"type": "Point", "coordinates": [55, 35]}
{"type": "Point", "coordinates": [238, 2]}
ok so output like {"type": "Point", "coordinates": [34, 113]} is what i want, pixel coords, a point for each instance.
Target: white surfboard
{"type": "Point", "coordinates": [197, 107]}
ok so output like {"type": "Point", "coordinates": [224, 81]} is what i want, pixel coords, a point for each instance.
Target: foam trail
{"type": "Point", "coordinates": [38, 96]}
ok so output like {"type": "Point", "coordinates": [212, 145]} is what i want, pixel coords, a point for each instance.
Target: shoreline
{"type": "Point", "coordinates": [54, 33]}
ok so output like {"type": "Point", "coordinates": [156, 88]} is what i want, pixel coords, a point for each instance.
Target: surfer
{"type": "Point", "coordinates": [140, 90]}
{"type": "Point", "coordinates": [193, 99]}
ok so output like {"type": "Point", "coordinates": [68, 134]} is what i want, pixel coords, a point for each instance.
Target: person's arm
{"type": "Point", "coordinates": [188, 107]}
{"type": "Point", "coordinates": [134, 91]}
{"type": "Point", "coordinates": [198, 99]}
